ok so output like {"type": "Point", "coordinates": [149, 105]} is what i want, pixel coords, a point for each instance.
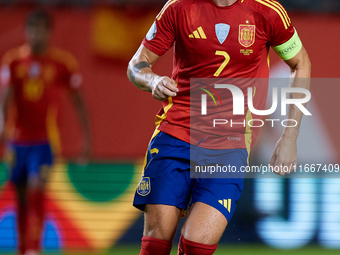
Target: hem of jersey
{"type": "Point", "coordinates": [175, 131]}
{"type": "Point", "coordinates": [30, 142]}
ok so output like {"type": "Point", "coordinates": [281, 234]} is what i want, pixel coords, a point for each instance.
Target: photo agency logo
{"type": "Point", "coordinates": [241, 101]}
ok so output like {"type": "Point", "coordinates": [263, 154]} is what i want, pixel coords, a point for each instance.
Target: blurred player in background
{"type": "Point", "coordinates": [31, 76]}
{"type": "Point", "coordinates": [214, 39]}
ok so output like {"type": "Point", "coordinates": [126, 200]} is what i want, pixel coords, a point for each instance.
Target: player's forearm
{"type": "Point", "coordinates": [302, 73]}
{"type": "Point", "coordinates": [83, 116]}
{"type": "Point", "coordinates": [139, 69]}
{"type": "Point", "coordinates": [140, 74]}
{"type": "Point", "coordinates": [84, 124]}
{"type": "Point", "coordinates": [294, 114]}
{"type": "Point", "coordinates": [4, 109]}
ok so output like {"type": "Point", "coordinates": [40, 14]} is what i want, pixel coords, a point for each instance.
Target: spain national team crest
{"type": "Point", "coordinates": [222, 32]}
{"type": "Point", "coordinates": [144, 186]}
{"type": "Point", "coordinates": [246, 35]}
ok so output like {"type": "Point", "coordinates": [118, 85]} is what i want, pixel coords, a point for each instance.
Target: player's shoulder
{"type": "Point", "coordinates": [180, 4]}
{"type": "Point", "coordinates": [63, 57]}
{"type": "Point", "coordinates": [271, 10]}
{"type": "Point", "coordinates": [266, 7]}
{"type": "Point", "coordinates": [15, 54]}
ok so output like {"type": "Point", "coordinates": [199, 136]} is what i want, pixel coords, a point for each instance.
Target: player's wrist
{"type": "Point", "coordinates": [155, 78]}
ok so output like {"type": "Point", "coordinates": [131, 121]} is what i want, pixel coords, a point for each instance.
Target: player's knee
{"type": "Point", "coordinates": [204, 224]}
{"type": "Point", "coordinates": [161, 221]}
{"type": "Point", "coordinates": [156, 231]}
{"type": "Point", "coordinates": [198, 236]}
{"type": "Point", "coordinates": [36, 183]}
{"type": "Point", "coordinates": [37, 180]}
{"type": "Point", "coordinates": [187, 247]}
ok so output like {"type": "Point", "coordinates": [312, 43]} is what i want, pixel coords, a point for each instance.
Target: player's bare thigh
{"type": "Point", "coordinates": [161, 221]}
{"type": "Point", "coordinates": [39, 181]}
{"type": "Point", "coordinates": [204, 224]}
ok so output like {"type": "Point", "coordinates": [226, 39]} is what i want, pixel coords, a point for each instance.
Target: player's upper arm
{"type": "Point", "coordinates": [162, 33]}
{"type": "Point", "coordinates": [5, 76]}
{"type": "Point", "coordinates": [143, 54]}
{"type": "Point", "coordinates": [7, 95]}
{"type": "Point", "coordinates": [300, 61]}
{"type": "Point", "coordinates": [285, 40]}
{"type": "Point", "coordinates": [6, 73]}
{"type": "Point", "coordinates": [74, 78]}
{"type": "Point", "coordinates": [71, 77]}
{"type": "Point", "coordinates": [159, 38]}
{"type": "Point", "coordinates": [283, 37]}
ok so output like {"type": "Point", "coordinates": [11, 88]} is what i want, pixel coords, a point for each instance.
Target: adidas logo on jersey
{"type": "Point", "coordinates": [226, 203]}
{"type": "Point", "coordinates": [198, 34]}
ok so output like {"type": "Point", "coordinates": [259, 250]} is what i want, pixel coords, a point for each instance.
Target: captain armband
{"type": "Point", "coordinates": [290, 48]}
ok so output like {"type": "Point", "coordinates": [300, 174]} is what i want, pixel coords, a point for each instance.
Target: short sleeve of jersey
{"type": "Point", "coordinates": [281, 28]}
{"type": "Point", "coordinates": [282, 35]}
{"type": "Point", "coordinates": [71, 77]}
{"type": "Point", "coordinates": [74, 78]}
{"type": "Point", "coordinates": [162, 33]}
{"type": "Point", "coordinates": [5, 71]}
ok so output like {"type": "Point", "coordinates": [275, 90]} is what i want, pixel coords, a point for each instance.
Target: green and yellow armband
{"type": "Point", "coordinates": [290, 48]}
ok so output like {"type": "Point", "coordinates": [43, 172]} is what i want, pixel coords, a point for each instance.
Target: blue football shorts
{"type": "Point", "coordinates": [27, 161]}
{"type": "Point", "coordinates": [167, 180]}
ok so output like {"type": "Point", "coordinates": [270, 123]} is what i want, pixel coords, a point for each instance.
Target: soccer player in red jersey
{"type": "Point", "coordinates": [32, 76]}
{"type": "Point", "coordinates": [212, 39]}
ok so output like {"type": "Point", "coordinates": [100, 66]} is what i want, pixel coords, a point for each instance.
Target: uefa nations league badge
{"type": "Point", "coordinates": [152, 32]}
{"type": "Point", "coordinates": [222, 32]}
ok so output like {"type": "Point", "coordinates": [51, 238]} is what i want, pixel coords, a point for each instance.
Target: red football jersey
{"type": "Point", "coordinates": [36, 81]}
{"type": "Point", "coordinates": [217, 42]}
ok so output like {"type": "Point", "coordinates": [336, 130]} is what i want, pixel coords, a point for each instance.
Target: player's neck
{"type": "Point", "coordinates": [224, 3]}
{"type": "Point", "coordinates": [38, 50]}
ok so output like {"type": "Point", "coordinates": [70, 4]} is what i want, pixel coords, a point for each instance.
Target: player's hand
{"type": "Point", "coordinates": [284, 156]}
{"type": "Point", "coordinates": [163, 87]}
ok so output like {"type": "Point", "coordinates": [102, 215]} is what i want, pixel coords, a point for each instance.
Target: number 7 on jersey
{"type": "Point", "coordinates": [225, 62]}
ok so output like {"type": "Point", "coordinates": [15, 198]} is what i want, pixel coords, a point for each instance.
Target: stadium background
{"type": "Point", "coordinates": [89, 207]}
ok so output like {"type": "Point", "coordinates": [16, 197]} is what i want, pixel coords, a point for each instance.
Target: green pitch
{"type": "Point", "coordinates": [237, 250]}
{"type": "Point", "coordinates": [221, 250]}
